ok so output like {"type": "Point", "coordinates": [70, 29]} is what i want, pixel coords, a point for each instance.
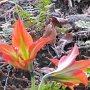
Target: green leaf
{"type": "Point", "coordinates": [49, 86]}
{"type": "Point", "coordinates": [23, 13]}
{"type": "Point", "coordinates": [87, 70]}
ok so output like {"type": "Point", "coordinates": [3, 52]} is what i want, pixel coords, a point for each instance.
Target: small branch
{"type": "Point", "coordinates": [3, 1]}
{"type": "Point", "coordinates": [9, 67]}
{"type": "Point", "coordinates": [70, 3]}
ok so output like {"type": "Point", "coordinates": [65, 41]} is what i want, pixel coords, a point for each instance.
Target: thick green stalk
{"type": "Point", "coordinates": [32, 81]}
{"type": "Point", "coordinates": [32, 76]}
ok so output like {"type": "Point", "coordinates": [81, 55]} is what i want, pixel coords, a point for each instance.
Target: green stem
{"type": "Point", "coordinates": [42, 82]}
{"type": "Point", "coordinates": [32, 77]}
{"type": "Point", "coordinates": [32, 81]}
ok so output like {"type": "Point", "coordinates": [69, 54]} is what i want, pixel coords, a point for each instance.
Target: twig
{"type": "Point", "coordinates": [70, 3]}
{"type": "Point", "coordinates": [3, 65]}
{"type": "Point", "coordinates": [9, 67]}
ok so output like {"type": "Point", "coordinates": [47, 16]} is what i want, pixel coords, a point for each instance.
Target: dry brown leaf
{"type": "Point", "coordinates": [50, 31]}
{"type": "Point", "coordinates": [69, 36]}
{"type": "Point", "coordinates": [56, 21]}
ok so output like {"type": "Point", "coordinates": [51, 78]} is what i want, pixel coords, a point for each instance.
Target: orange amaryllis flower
{"type": "Point", "coordinates": [69, 71]}
{"type": "Point", "coordinates": [23, 49]}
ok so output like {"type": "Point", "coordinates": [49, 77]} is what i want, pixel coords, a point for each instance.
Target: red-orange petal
{"type": "Point", "coordinates": [80, 75]}
{"type": "Point", "coordinates": [9, 59]}
{"type": "Point", "coordinates": [65, 61]}
{"type": "Point", "coordinates": [54, 61]}
{"type": "Point", "coordinates": [4, 48]}
{"type": "Point", "coordinates": [83, 64]}
{"type": "Point", "coordinates": [35, 47]}
{"type": "Point", "coordinates": [70, 83]}
{"type": "Point", "coordinates": [20, 32]}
